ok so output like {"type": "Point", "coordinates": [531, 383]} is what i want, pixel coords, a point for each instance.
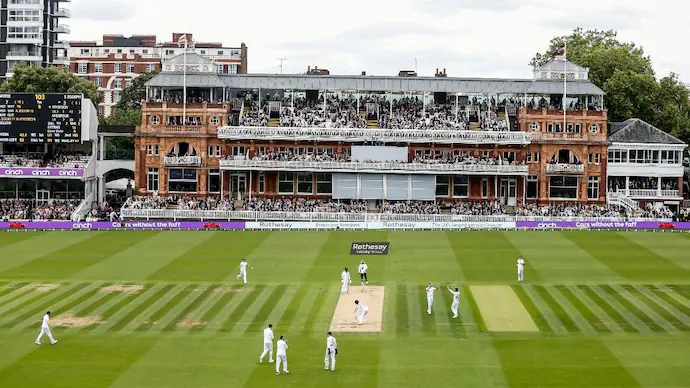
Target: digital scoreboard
{"type": "Point", "coordinates": [40, 118]}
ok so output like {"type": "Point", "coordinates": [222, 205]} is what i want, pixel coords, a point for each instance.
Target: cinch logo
{"type": "Point", "coordinates": [546, 225]}
{"type": "Point", "coordinates": [373, 248]}
{"type": "Point", "coordinates": [82, 226]}
{"type": "Point", "coordinates": [67, 173]}
{"type": "Point", "coordinates": [13, 172]}
{"type": "Point", "coordinates": [40, 172]}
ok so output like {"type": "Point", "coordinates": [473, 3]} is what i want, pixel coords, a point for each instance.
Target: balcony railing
{"type": "Point", "coordinates": [394, 167]}
{"type": "Point", "coordinates": [24, 54]}
{"type": "Point", "coordinates": [651, 193]}
{"type": "Point", "coordinates": [62, 29]}
{"type": "Point", "coordinates": [62, 13]}
{"type": "Point", "coordinates": [175, 214]}
{"type": "Point", "coordinates": [381, 135]}
{"type": "Point", "coordinates": [564, 167]}
{"type": "Point", "coordinates": [182, 160]}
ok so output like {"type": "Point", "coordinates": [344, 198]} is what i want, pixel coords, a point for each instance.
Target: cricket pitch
{"type": "Point", "coordinates": [344, 319]}
{"type": "Point", "coordinates": [502, 310]}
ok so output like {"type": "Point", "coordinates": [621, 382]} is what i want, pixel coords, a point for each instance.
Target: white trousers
{"type": "Point", "coordinates": [268, 348]}
{"type": "Point", "coordinates": [345, 286]}
{"type": "Point", "coordinates": [330, 352]}
{"type": "Point", "coordinates": [454, 309]}
{"type": "Point", "coordinates": [281, 358]}
{"type": "Point", "coordinates": [521, 274]}
{"type": "Point", "coordinates": [46, 331]}
{"type": "Point", "coordinates": [363, 315]}
{"type": "Point", "coordinates": [243, 274]}
{"type": "Point", "coordinates": [429, 303]}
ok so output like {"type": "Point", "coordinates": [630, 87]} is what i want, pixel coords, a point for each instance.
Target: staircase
{"type": "Point", "coordinates": [274, 122]}
{"type": "Point", "coordinates": [616, 198]}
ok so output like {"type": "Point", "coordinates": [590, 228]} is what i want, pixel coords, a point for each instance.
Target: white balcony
{"type": "Point", "coordinates": [62, 13]}
{"type": "Point", "coordinates": [380, 135]}
{"type": "Point", "coordinates": [36, 39]}
{"type": "Point", "coordinates": [61, 44]}
{"type": "Point", "coordinates": [26, 56]}
{"type": "Point", "coordinates": [182, 160]}
{"type": "Point", "coordinates": [565, 168]}
{"type": "Point", "coordinates": [64, 61]}
{"type": "Point", "coordinates": [663, 170]}
{"type": "Point", "coordinates": [375, 167]}
{"type": "Point", "coordinates": [62, 29]}
{"type": "Point", "coordinates": [652, 194]}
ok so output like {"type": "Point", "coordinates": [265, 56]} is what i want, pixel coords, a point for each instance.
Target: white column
{"type": "Point", "coordinates": [249, 189]}
{"type": "Point", "coordinates": [324, 102]}
{"type": "Point", "coordinates": [385, 186]}
{"type": "Point", "coordinates": [496, 193]}
{"type": "Point", "coordinates": [101, 189]}
{"type": "Point", "coordinates": [221, 184]}
{"type": "Point", "coordinates": [390, 104]}
{"type": "Point", "coordinates": [423, 103]}
{"type": "Point", "coordinates": [658, 187]}
{"type": "Point", "coordinates": [456, 106]}
{"type": "Point", "coordinates": [627, 186]}
{"type": "Point", "coordinates": [101, 147]}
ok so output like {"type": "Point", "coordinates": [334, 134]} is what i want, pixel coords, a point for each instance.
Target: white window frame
{"type": "Point", "coordinates": [130, 68]}
{"type": "Point", "coordinates": [310, 182]}
{"type": "Point", "coordinates": [593, 128]}
{"type": "Point", "coordinates": [532, 179]}
{"type": "Point", "coordinates": [534, 126]}
{"type": "Point", "coordinates": [150, 67]}
{"type": "Point", "coordinates": [117, 68]}
{"type": "Point", "coordinates": [98, 68]}
{"type": "Point", "coordinates": [152, 179]}
{"type": "Point", "coordinates": [593, 184]}
{"type": "Point", "coordinates": [485, 188]}
{"type": "Point", "coordinates": [285, 175]}
{"type": "Point", "coordinates": [262, 183]}
{"type": "Point", "coordinates": [466, 185]}
{"type": "Point", "coordinates": [117, 83]}
{"type": "Point", "coordinates": [449, 184]}
{"type": "Point", "coordinates": [82, 67]}
{"type": "Point", "coordinates": [214, 172]}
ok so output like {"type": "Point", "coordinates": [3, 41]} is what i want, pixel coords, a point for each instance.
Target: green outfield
{"type": "Point", "coordinates": [164, 309]}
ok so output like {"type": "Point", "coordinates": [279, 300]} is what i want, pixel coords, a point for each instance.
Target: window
{"type": "Point", "coordinates": [202, 52]}
{"type": "Point", "coordinates": [232, 69]}
{"type": "Point", "coordinates": [155, 120]}
{"type": "Point", "coordinates": [214, 181]}
{"type": "Point", "coordinates": [554, 127]}
{"type": "Point", "coordinates": [237, 150]}
{"type": "Point", "coordinates": [106, 51]}
{"type": "Point", "coordinates": [573, 127]}
{"type": "Point", "coordinates": [324, 184]}
{"type": "Point", "coordinates": [305, 183]}
{"type": "Point", "coordinates": [118, 68]}
{"type": "Point", "coordinates": [485, 188]}
{"type": "Point", "coordinates": [24, 15]}
{"type": "Point", "coordinates": [286, 183]}
{"type": "Point", "coordinates": [98, 82]}
{"type": "Point", "coordinates": [220, 69]}
{"type": "Point", "coordinates": [169, 52]}
{"type": "Point", "coordinates": [214, 151]}
{"type": "Point", "coordinates": [98, 68]}
{"type": "Point", "coordinates": [593, 188]}
{"type": "Point", "coordinates": [618, 156]}
{"type": "Point", "coordinates": [182, 180]}
{"type": "Point", "coordinates": [461, 186]}
{"type": "Point", "coordinates": [131, 51]}
{"type": "Point", "coordinates": [563, 187]}
{"type": "Point", "coordinates": [152, 149]}
{"type": "Point", "coordinates": [119, 51]}
{"type": "Point", "coordinates": [262, 183]}
{"type": "Point", "coordinates": [145, 51]}
{"type": "Point", "coordinates": [24, 32]}
{"type": "Point", "coordinates": [220, 52]}
{"type": "Point", "coordinates": [594, 128]}
{"type": "Point", "coordinates": [485, 154]}
{"type": "Point", "coordinates": [442, 185]}
{"type": "Point", "coordinates": [130, 68]}
{"type": "Point", "coordinates": [532, 187]}
{"type": "Point", "coordinates": [150, 67]}
{"type": "Point", "coordinates": [214, 121]}
{"type": "Point", "coordinates": [670, 157]}
{"type": "Point", "coordinates": [82, 51]}
{"type": "Point", "coordinates": [509, 156]}
{"type": "Point", "coordinates": [128, 82]}
{"type": "Point", "coordinates": [82, 67]}
{"type": "Point", "coordinates": [152, 181]}
{"type": "Point", "coordinates": [533, 126]}
{"type": "Point", "coordinates": [118, 83]}
{"type": "Point", "coordinates": [597, 158]}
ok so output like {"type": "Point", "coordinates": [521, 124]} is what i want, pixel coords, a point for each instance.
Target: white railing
{"type": "Point", "coordinates": [175, 214]}
{"type": "Point", "coordinates": [651, 193]}
{"type": "Point", "coordinates": [619, 199]}
{"type": "Point", "coordinates": [563, 167]}
{"type": "Point", "coordinates": [84, 207]}
{"type": "Point", "coordinates": [181, 160]}
{"type": "Point", "coordinates": [370, 134]}
{"type": "Point", "coordinates": [394, 167]}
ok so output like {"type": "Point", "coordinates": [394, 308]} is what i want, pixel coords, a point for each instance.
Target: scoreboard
{"type": "Point", "coordinates": [40, 118]}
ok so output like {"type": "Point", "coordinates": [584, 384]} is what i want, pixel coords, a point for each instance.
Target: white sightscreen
{"type": "Point", "coordinates": [344, 186]}
{"type": "Point", "coordinates": [371, 186]}
{"type": "Point", "coordinates": [379, 153]}
{"type": "Point", "coordinates": [397, 187]}
{"type": "Point", "coordinates": [424, 187]}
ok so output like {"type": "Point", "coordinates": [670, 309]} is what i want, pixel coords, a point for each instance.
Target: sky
{"type": "Point", "coordinates": [469, 38]}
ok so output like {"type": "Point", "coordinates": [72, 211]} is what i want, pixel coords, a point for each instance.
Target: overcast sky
{"type": "Point", "coordinates": [470, 38]}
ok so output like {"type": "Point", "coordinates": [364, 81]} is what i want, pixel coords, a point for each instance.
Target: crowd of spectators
{"type": "Point", "coordinates": [461, 159]}
{"type": "Point", "coordinates": [257, 116]}
{"type": "Point", "coordinates": [289, 156]}
{"type": "Point", "coordinates": [566, 210]}
{"type": "Point", "coordinates": [339, 113]}
{"type": "Point", "coordinates": [61, 160]}
{"type": "Point", "coordinates": [409, 207]}
{"type": "Point", "coordinates": [488, 208]}
{"type": "Point", "coordinates": [24, 209]}
{"type": "Point", "coordinates": [304, 205]}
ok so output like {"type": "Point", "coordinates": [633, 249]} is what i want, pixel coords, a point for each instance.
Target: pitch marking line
{"type": "Point", "coordinates": [502, 310]}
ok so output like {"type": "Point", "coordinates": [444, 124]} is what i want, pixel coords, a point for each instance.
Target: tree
{"type": "Point", "coordinates": [131, 97]}
{"type": "Point", "coordinates": [124, 116]}
{"type": "Point", "coordinates": [33, 79]}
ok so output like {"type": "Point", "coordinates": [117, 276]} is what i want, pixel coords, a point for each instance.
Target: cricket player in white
{"type": "Point", "coordinates": [281, 355]}
{"type": "Point", "coordinates": [331, 351]}
{"type": "Point", "coordinates": [45, 329]}
{"type": "Point", "coordinates": [456, 301]}
{"type": "Point", "coordinates": [268, 344]}
{"type": "Point", "coordinates": [363, 310]}
{"type": "Point", "coordinates": [521, 268]}
{"type": "Point", "coordinates": [430, 297]}
{"type": "Point", "coordinates": [362, 270]}
{"type": "Point", "coordinates": [243, 270]}
{"type": "Point", "coordinates": [345, 281]}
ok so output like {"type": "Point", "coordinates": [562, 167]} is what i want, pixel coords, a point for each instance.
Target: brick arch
{"type": "Point", "coordinates": [551, 155]}
{"type": "Point", "coordinates": [192, 145]}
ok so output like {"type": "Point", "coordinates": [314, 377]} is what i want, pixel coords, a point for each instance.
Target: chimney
{"type": "Point", "coordinates": [364, 73]}
{"type": "Point", "coordinates": [308, 68]}
{"type": "Point", "coordinates": [437, 70]}
{"type": "Point", "coordinates": [444, 71]}
{"type": "Point", "coordinates": [316, 67]}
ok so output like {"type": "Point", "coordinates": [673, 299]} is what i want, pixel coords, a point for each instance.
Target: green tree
{"type": "Point", "coordinates": [124, 116]}
{"type": "Point", "coordinates": [33, 79]}
{"type": "Point", "coordinates": [131, 97]}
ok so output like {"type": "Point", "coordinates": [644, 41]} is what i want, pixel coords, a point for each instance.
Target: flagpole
{"type": "Point", "coordinates": [565, 81]}
{"type": "Point", "coordinates": [184, 85]}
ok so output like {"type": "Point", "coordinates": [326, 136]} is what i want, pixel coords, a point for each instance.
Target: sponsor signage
{"type": "Point", "coordinates": [38, 172]}
{"type": "Point", "coordinates": [370, 248]}
{"type": "Point", "coordinates": [605, 225]}
{"type": "Point", "coordinates": [300, 225]}
{"type": "Point", "coordinates": [121, 225]}
{"type": "Point", "coordinates": [297, 225]}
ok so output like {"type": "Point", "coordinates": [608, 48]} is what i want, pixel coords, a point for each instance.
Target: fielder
{"type": "Point", "coordinates": [268, 344]}
{"type": "Point", "coordinates": [331, 351]}
{"type": "Point", "coordinates": [456, 301]}
{"type": "Point", "coordinates": [46, 330]}
{"type": "Point", "coordinates": [362, 270]}
{"type": "Point", "coordinates": [521, 268]}
{"type": "Point", "coordinates": [430, 297]}
{"type": "Point", "coordinates": [363, 311]}
{"type": "Point", "coordinates": [243, 270]}
{"type": "Point", "coordinates": [281, 356]}
{"type": "Point", "coordinates": [345, 281]}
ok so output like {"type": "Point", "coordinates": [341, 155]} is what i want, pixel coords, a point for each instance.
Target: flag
{"type": "Point", "coordinates": [182, 40]}
{"type": "Point", "coordinates": [560, 51]}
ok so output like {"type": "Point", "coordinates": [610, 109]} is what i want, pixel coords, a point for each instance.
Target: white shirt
{"type": "Point", "coordinates": [430, 292]}
{"type": "Point", "coordinates": [46, 319]}
{"type": "Point", "coordinates": [362, 307]}
{"type": "Point", "coordinates": [268, 335]}
{"type": "Point", "coordinates": [456, 295]}
{"type": "Point", "coordinates": [362, 268]}
{"type": "Point", "coordinates": [243, 266]}
{"type": "Point", "coordinates": [282, 347]}
{"type": "Point", "coordinates": [345, 276]}
{"type": "Point", "coordinates": [331, 343]}
{"type": "Point", "coordinates": [520, 263]}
